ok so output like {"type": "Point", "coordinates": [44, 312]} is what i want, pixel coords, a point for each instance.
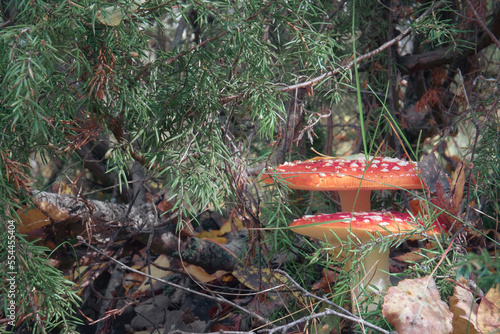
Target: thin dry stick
{"type": "Point", "coordinates": [343, 313]}
{"type": "Point", "coordinates": [218, 299]}
{"type": "Point", "coordinates": [370, 54]}
{"type": "Point", "coordinates": [360, 58]}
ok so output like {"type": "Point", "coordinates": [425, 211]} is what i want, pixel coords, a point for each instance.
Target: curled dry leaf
{"type": "Point", "coordinates": [464, 310]}
{"type": "Point", "coordinates": [202, 276]}
{"type": "Point", "coordinates": [53, 211]}
{"type": "Point", "coordinates": [488, 313]}
{"type": "Point", "coordinates": [158, 269]}
{"type": "Point", "coordinates": [36, 218]}
{"type": "Point", "coordinates": [413, 256]}
{"type": "Point", "coordinates": [432, 173]}
{"type": "Point", "coordinates": [415, 307]}
{"type": "Point", "coordinates": [450, 202]}
{"type": "Point", "coordinates": [31, 220]}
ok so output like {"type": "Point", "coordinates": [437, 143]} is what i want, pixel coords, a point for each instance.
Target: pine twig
{"type": "Point", "coordinates": [362, 57]}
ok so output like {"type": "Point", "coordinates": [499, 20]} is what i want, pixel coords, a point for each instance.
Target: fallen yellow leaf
{"type": "Point", "coordinates": [488, 313]}
{"type": "Point", "coordinates": [464, 310]}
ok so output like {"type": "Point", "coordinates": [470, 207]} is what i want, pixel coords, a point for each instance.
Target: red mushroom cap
{"type": "Point", "coordinates": [359, 225]}
{"type": "Point", "coordinates": [345, 174]}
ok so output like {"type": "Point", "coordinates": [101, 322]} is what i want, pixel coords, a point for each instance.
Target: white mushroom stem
{"type": "Point", "coordinates": [353, 229]}
{"type": "Point", "coordinates": [376, 266]}
{"type": "Point", "coordinates": [372, 276]}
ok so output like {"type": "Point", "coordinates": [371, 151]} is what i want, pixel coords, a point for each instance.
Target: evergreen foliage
{"type": "Point", "coordinates": [200, 96]}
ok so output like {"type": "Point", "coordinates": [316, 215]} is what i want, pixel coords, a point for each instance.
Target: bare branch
{"type": "Point", "coordinates": [343, 313]}
{"type": "Point", "coordinates": [180, 287]}
{"type": "Point", "coordinates": [362, 57]}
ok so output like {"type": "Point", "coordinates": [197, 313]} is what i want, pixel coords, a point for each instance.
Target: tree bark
{"type": "Point", "coordinates": [142, 221]}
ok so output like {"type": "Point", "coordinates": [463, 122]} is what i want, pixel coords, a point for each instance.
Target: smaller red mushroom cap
{"type": "Point", "coordinates": [360, 226]}
{"type": "Point", "coordinates": [346, 174]}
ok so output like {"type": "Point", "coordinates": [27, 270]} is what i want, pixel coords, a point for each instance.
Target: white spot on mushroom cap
{"type": "Point", "coordinates": [322, 174]}
{"type": "Point", "coordinates": [385, 170]}
{"type": "Point", "coordinates": [375, 217]}
{"type": "Point", "coordinates": [396, 168]}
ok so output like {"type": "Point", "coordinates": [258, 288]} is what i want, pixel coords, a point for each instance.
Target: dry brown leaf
{"type": "Point", "coordinates": [464, 310]}
{"type": "Point", "coordinates": [212, 235]}
{"type": "Point", "coordinates": [413, 256]}
{"type": "Point", "coordinates": [131, 281]}
{"type": "Point", "coordinates": [217, 235]}
{"type": "Point", "coordinates": [88, 274]}
{"type": "Point", "coordinates": [37, 218]}
{"type": "Point", "coordinates": [202, 276]}
{"type": "Point", "coordinates": [163, 262]}
{"type": "Point", "coordinates": [226, 227]}
{"type": "Point", "coordinates": [488, 313]}
{"type": "Point", "coordinates": [432, 173]}
{"type": "Point", "coordinates": [53, 211]}
{"type": "Point", "coordinates": [258, 279]}
{"type": "Point", "coordinates": [326, 282]}
{"type": "Point", "coordinates": [31, 220]}
{"type": "Point", "coordinates": [415, 307]}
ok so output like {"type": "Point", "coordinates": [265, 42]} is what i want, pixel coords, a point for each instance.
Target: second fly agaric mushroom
{"type": "Point", "coordinates": [361, 227]}
{"type": "Point", "coordinates": [354, 179]}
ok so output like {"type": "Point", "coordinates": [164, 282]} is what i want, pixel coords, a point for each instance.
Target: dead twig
{"type": "Point", "coordinates": [343, 313]}
{"type": "Point", "coordinates": [359, 59]}
{"type": "Point", "coordinates": [180, 287]}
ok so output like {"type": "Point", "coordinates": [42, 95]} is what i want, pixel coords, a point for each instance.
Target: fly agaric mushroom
{"type": "Point", "coordinates": [354, 179]}
{"type": "Point", "coordinates": [361, 227]}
